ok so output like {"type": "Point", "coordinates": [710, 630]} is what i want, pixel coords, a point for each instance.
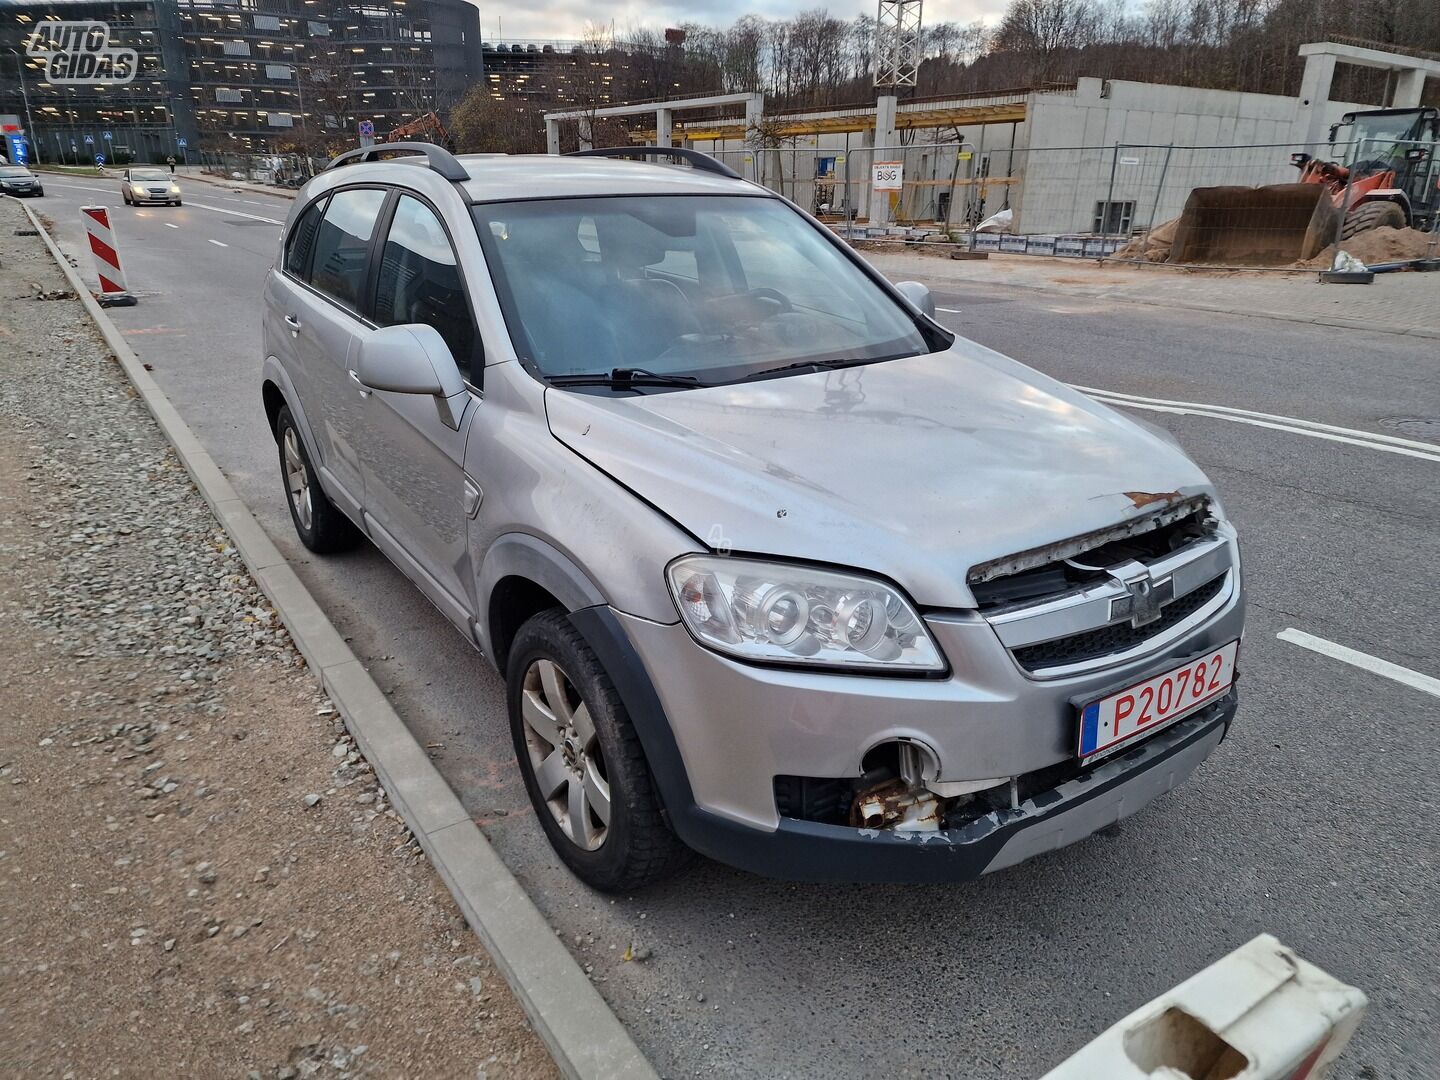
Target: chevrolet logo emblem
{"type": "Point", "coordinates": [1145, 597]}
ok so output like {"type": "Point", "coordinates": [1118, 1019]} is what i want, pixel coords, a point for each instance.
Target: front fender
{"type": "Point", "coordinates": [523, 555]}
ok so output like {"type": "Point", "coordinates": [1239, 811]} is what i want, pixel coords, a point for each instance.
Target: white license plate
{"type": "Point", "coordinates": [1146, 707]}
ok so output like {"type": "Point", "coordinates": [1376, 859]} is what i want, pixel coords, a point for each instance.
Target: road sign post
{"type": "Point", "coordinates": [367, 132]}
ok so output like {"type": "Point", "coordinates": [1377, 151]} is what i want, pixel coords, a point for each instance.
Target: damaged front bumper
{"type": "Point", "coordinates": [1048, 820]}
{"type": "Point", "coordinates": [801, 850]}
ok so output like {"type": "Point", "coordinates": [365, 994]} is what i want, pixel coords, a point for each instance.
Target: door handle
{"type": "Point", "coordinates": [365, 391]}
{"type": "Point", "coordinates": [292, 322]}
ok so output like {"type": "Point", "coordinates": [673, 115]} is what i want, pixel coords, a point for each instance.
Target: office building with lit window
{"type": "Point", "coordinates": [240, 75]}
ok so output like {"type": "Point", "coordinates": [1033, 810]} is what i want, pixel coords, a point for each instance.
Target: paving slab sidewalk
{"type": "Point", "coordinates": [202, 876]}
{"type": "Point", "coordinates": [1407, 303]}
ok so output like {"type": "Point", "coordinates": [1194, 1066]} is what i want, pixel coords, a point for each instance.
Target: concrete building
{"type": "Point", "coordinates": [1110, 156]}
{"type": "Point", "coordinates": [240, 75]}
{"type": "Point", "coordinates": [1101, 156]}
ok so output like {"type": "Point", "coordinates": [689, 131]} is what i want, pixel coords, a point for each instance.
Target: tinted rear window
{"type": "Point", "coordinates": [302, 241]}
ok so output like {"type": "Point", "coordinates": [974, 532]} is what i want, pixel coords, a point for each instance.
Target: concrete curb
{"type": "Point", "coordinates": [581, 1033]}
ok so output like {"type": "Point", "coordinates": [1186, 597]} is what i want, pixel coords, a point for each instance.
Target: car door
{"type": "Point", "coordinates": [322, 310]}
{"type": "Point", "coordinates": [411, 457]}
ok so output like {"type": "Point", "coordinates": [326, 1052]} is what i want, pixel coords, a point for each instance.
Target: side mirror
{"type": "Point", "coordinates": [918, 294]}
{"type": "Point", "coordinates": [411, 359]}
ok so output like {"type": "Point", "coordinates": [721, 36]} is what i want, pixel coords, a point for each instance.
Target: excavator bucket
{"type": "Point", "coordinates": [1255, 226]}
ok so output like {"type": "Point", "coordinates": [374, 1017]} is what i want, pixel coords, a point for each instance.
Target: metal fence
{"type": "Point", "coordinates": [943, 184]}
{"type": "Point", "coordinates": [282, 170]}
{"type": "Point", "coordinates": [1118, 200]}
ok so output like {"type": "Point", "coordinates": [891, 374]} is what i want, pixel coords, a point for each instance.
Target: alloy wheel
{"type": "Point", "coordinates": [565, 755]}
{"type": "Point", "coordinates": [297, 479]}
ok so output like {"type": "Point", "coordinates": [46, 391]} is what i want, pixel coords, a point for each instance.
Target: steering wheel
{"type": "Point", "coordinates": [775, 295]}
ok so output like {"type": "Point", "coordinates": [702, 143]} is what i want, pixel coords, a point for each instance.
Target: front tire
{"type": "Point", "coordinates": [584, 767]}
{"type": "Point", "coordinates": [320, 524]}
{"type": "Point", "coordinates": [1372, 215]}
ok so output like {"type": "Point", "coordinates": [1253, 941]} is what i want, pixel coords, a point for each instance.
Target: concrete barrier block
{"type": "Point", "coordinates": [1261, 1013]}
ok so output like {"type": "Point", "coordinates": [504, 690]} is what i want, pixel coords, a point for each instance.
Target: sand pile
{"type": "Point", "coordinates": [1154, 246]}
{"type": "Point", "coordinates": [1374, 246]}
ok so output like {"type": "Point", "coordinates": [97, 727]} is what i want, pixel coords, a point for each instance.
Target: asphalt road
{"type": "Point", "coordinates": [1315, 821]}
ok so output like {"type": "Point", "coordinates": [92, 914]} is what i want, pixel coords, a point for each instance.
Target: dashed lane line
{"type": "Point", "coordinates": [237, 213]}
{"type": "Point", "coordinates": [217, 243]}
{"type": "Point", "coordinates": [1373, 664]}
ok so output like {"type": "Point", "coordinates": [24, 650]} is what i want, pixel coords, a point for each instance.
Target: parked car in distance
{"type": "Point", "coordinates": [18, 180]}
{"type": "Point", "coordinates": [776, 568]}
{"type": "Point", "coordinates": [146, 186]}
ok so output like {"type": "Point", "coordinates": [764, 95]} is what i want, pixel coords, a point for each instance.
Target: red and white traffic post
{"type": "Point", "coordinates": [103, 247]}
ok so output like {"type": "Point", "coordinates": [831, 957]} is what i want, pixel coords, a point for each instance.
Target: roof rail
{"type": "Point", "coordinates": [703, 162]}
{"type": "Point", "coordinates": [437, 157]}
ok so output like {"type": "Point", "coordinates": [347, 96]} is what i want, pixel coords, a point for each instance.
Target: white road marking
{"type": "Point", "coordinates": [83, 187]}
{"type": "Point", "coordinates": [950, 310]}
{"type": "Point", "coordinates": [237, 213]}
{"type": "Point", "coordinates": [1364, 439]}
{"type": "Point", "coordinates": [217, 243]}
{"type": "Point", "coordinates": [1373, 664]}
{"type": "Point", "coordinates": [1228, 410]}
{"type": "Point", "coordinates": [171, 225]}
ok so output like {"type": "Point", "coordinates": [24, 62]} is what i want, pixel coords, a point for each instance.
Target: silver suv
{"type": "Point", "coordinates": [776, 568]}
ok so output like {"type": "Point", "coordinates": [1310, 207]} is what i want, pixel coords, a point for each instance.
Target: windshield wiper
{"type": "Point", "coordinates": [623, 378]}
{"type": "Point", "coordinates": [800, 365]}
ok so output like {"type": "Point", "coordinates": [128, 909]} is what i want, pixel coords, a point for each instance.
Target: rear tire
{"type": "Point", "coordinates": [321, 525]}
{"type": "Point", "coordinates": [598, 806]}
{"type": "Point", "coordinates": [1372, 215]}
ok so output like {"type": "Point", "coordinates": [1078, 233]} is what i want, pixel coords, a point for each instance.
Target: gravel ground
{"type": "Point", "coordinates": [199, 874]}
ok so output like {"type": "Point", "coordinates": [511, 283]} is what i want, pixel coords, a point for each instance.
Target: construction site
{"type": "Point", "coordinates": [1134, 171]}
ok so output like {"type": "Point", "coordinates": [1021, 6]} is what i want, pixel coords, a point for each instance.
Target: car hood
{"type": "Point", "coordinates": [916, 469]}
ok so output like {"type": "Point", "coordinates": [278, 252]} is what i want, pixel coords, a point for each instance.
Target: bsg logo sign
{"type": "Point", "coordinates": [888, 176]}
{"type": "Point", "coordinates": [79, 52]}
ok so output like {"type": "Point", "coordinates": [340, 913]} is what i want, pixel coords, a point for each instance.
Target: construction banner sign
{"type": "Point", "coordinates": [888, 176]}
{"type": "Point", "coordinates": [79, 53]}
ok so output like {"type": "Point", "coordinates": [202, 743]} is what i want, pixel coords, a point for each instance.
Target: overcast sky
{"type": "Point", "coordinates": [566, 19]}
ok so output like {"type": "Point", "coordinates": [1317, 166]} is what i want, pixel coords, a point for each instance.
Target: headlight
{"type": "Point", "coordinates": [785, 613]}
{"type": "Point", "coordinates": [174, 189]}
{"type": "Point", "coordinates": [136, 189]}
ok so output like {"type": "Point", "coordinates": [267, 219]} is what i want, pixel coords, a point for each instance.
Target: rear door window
{"type": "Point", "coordinates": [342, 244]}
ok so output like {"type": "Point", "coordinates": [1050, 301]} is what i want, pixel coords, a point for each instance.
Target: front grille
{"type": "Point", "coordinates": [1044, 574]}
{"type": "Point", "coordinates": [1117, 637]}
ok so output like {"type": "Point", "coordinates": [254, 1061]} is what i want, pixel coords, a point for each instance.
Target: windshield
{"type": "Point", "coordinates": [714, 287]}
{"type": "Point", "coordinates": [13, 170]}
{"type": "Point", "coordinates": [1381, 136]}
{"type": "Point", "coordinates": [149, 174]}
